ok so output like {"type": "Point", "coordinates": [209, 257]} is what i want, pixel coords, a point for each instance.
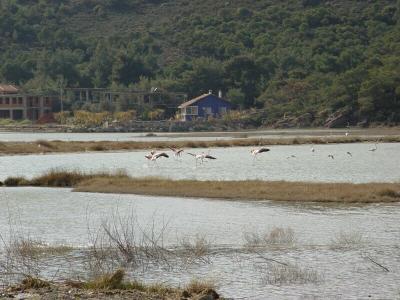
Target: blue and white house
{"type": "Point", "coordinates": [204, 106]}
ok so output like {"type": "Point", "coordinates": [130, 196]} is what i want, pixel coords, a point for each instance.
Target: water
{"type": "Point", "coordinates": [61, 216]}
{"type": "Point", "coordinates": [131, 136]}
{"type": "Point", "coordinates": [231, 164]}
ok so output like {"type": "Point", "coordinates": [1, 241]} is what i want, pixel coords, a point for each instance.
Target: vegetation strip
{"type": "Point", "coordinates": [233, 190]}
{"type": "Point", "coordinates": [109, 286]}
{"type": "Point", "coordinates": [42, 146]}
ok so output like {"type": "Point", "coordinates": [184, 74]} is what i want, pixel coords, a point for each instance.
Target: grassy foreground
{"type": "Point", "coordinates": [42, 146]}
{"type": "Point", "coordinates": [233, 190]}
{"type": "Point", "coordinates": [109, 286]}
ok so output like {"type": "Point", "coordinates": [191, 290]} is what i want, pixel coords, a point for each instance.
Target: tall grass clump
{"type": "Point", "coordinates": [290, 274]}
{"type": "Point", "coordinates": [196, 249]}
{"type": "Point", "coordinates": [278, 236]}
{"type": "Point", "coordinates": [347, 240]}
{"type": "Point", "coordinates": [16, 181]}
{"type": "Point", "coordinates": [108, 281]}
{"type": "Point", "coordinates": [58, 178]}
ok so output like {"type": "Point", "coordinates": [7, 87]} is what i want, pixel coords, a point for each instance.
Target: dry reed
{"type": "Point", "coordinates": [246, 190]}
{"type": "Point", "coordinates": [121, 183]}
{"type": "Point", "coordinates": [42, 146]}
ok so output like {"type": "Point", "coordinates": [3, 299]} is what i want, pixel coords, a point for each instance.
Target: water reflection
{"type": "Point", "coordinates": [231, 164]}
{"type": "Point", "coordinates": [61, 216]}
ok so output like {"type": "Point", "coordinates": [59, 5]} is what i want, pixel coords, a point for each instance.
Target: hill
{"type": "Point", "coordinates": [308, 62]}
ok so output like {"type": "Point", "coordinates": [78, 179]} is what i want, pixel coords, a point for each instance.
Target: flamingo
{"type": "Point", "coordinates": [374, 149]}
{"type": "Point", "coordinates": [153, 156]}
{"type": "Point", "coordinates": [201, 157]}
{"type": "Point", "coordinates": [255, 152]}
{"type": "Point", "coordinates": [177, 152]}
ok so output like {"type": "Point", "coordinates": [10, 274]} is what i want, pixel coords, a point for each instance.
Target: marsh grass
{"type": "Point", "coordinates": [31, 282]}
{"type": "Point", "coordinates": [200, 287]}
{"type": "Point", "coordinates": [291, 274]}
{"type": "Point", "coordinates": [195, 249]}
{"type": "Point", "coordinates": [116, 281]}
{"type": "Point", "coordinates": [245, 190]}
{"type": "Point", "coordinates": [82, 146]}
{"type": "Point", "coordinates": [119, 182]}
{"type": "Point", "coordinates": [347, 240]}
{"type": "Point", "coordinates": [33, 248]}
{"type": "Point", "coordinates": [278, 236]}
{"type": "Point", "coordinates": [16, 181]}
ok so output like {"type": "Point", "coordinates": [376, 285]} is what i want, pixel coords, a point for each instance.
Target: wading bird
{"type": "Point", "coordinates": [312, 149]}
{"type": "Point", "coordinates": [201, 157]}
{"type": "Point", "coordinates": [255, 152]}
{"type": "Point", "coordinates": [177, 152]}
{"type": "Point", "coordinates": [153, 156]}
{"type": "Point", "coordinates": [349, 153]}
{"type": "Point", "coordinates": [374, 149]}
{"type": "Point", "coordinates": [331, 156]}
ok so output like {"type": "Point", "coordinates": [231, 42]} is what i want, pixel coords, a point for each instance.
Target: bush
{"type": "Point", "coordinates": [16, 181]}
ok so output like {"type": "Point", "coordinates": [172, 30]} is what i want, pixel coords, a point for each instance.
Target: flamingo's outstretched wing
{"type": "Point", "coordinates": [210, 157]}
{"type": "Point", "coordinates": [261, 150]}
{"type": "Point", "coordinates": [162, 154]}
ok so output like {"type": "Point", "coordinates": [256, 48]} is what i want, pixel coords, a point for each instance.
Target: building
{"type": "Point", "coordinates": [132, 99]}
{"type": "Point", "coordinates": [17, 105]}
{"type": "Point", "coordinates": [204, 106]}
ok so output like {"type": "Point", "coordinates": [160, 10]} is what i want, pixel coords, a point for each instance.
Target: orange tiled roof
{"type": "Point", "coordinates": [8, 89]}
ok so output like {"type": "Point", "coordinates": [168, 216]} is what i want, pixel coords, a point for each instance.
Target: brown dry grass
{"type": "Point", "coordinates": [246, 190]}
{"type": "Point", "coordinates": [121, 183]}
{"type": "Point", "coordinates": [38, 147]}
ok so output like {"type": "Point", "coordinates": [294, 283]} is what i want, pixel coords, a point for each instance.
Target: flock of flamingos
{"type": "Point", "coordinates": [153, 156]}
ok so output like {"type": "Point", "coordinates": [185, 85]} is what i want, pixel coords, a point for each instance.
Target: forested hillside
{"type": "Point", "coordinates": [305, 59]}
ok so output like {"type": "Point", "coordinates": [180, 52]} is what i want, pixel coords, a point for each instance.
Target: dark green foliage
{"type": "Point", "coordinates": [288, 57]}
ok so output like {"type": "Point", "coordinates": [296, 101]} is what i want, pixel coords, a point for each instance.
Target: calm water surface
{"type": "Point", "coordinates": [235, 163]}
{"type": "Point", "coordinates": [117, 136]}
{"type": "Point", "coordinates": [61, 216]}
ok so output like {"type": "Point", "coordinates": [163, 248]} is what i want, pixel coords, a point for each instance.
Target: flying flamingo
{"type": "Point", "coordinates": [201, 157]}
{"type": "Point", "coordinates": [255, 152]}
{"type": "Point", "coordinates": [177, 152]}
{"type": "Point", "coordinates": [153, 156]}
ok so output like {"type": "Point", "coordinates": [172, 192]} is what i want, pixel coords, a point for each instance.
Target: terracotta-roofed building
{"type": "Point", "coordinates": [204, 106]}
{"type": "Point", "coordinates": [17, 105]}
{"type": "Point", "coordinates": [8, 89]}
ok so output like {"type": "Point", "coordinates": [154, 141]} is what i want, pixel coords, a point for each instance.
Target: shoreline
{"type": "Point", "coordinates": [250, 190]}
{"type": "Point", "coordinates": [45, 147]}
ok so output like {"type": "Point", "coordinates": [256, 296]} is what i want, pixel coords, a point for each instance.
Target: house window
{"type": "Point", "coordinates": [14, 100]}
{"type": "Point", "coordinates": [192, 110]}
{"type": "Point", "coordinates": [222, 110]}
{"type": "Point", "coordinates": [207, 110]}
{"type": "Point", "coordinates": [1, 100]}
{"type": "Point", "coordinates": [19, 100]}
{"type": "Point", "coordinates": [7, 101]}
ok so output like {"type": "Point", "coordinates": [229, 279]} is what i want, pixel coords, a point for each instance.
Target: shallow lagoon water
{"type": "Point", "coordinates": [234, 163]}
{"type": "Point", "coordinates": [176, 136]}
{"type": "Point", "coordinates": [62, 216]}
